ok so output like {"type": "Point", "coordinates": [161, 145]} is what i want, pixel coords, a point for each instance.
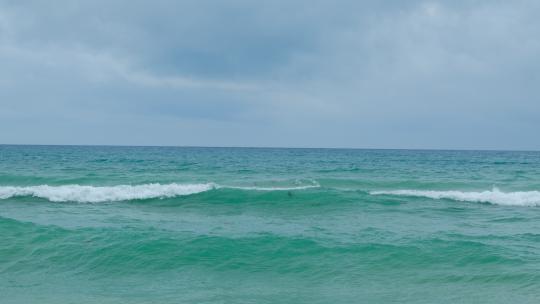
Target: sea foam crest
{"type": "Point", "coordinates": [495, 196]}
{"type": "Point", "coordinates": [256, 188]}
{"type": "Point", "coordinates": [98, 194]}
{"type": "Point", "coordinates": [94, 194]}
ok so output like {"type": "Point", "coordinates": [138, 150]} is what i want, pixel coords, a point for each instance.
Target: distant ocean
{"type": "Point", "coordinates": [247, 225]}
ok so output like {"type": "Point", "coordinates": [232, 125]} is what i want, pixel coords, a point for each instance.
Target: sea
{"type": "Point", "coordinates": [107, 224]}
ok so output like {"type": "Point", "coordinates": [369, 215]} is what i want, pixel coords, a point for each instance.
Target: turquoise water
{"type": "Point", "coordinates": [235, 225]}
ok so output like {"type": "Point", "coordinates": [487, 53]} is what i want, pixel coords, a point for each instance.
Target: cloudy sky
{"type": "Point", "coordinates": [366, 74]}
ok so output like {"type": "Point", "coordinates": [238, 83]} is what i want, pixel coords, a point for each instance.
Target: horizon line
{"type": "Point", "coordinates": [267, 147]}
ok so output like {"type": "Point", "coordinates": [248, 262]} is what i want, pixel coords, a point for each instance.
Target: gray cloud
{"type": "Point", "coordinates": [416, 74]}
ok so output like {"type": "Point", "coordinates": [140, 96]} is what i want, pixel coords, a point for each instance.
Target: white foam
{"type": "Point", "coordinates": [97, 194]}
{"type": "Point", "coordinates": [315, 185]}
{"type": "Point", "coordinates": [495, 196]}
{"type": "Point", "coordinates": [94, 194]}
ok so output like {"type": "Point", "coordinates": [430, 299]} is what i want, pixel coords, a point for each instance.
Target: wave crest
{"type": "Point", "coordinates": [495, 196]}
{"type": "Point", "coordinates": [99, 194]}
{"type": "Point", "coordinates": [254, 188]}
{"type": "Point", "coordinates": [94, 194]}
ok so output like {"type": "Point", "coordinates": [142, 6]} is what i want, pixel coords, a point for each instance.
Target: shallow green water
{"type": "Point", "coordinates": [217, 225]}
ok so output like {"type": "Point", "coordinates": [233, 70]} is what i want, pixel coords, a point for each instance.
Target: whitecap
{"type": "Point", "coordinates": [495, 196]}
{"type": "Point", "coordinates": [255, 188]}
{"type": "Point", "coordinates": [97, 194]}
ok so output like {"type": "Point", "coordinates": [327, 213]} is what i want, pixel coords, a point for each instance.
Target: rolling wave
{"type": "Point", "coordinates": [495, 196]}
{"type": "Point", "coordinates": [315, 185]}
{"type": "Point", "coordinates": [93, 194]}
{"type": "Point", "coordinates": [98, 194]}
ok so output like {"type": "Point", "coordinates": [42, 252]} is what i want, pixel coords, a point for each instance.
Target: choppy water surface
{"type": "Point", "coordinates": [220, 225]}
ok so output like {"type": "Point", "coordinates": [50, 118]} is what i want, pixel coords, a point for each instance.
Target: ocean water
{"type": "Point", "coordinates": [240, 225]}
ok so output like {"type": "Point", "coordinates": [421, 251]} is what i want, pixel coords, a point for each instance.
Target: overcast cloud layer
{"type": "Point", "coordinates": [368, 74]}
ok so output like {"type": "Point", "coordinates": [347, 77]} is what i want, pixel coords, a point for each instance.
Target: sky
{"type": "Point", "coordinates": [296, 73]}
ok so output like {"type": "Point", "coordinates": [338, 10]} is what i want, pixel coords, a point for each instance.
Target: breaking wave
{"type": "Point", "coordinates": [98, 194]}
{"type": "Point", "coordinates": [495, 196]}
{"type": "Point", "coordinates": [314, 185]}
{"type": "Point", "coordinates": [93, 194]}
